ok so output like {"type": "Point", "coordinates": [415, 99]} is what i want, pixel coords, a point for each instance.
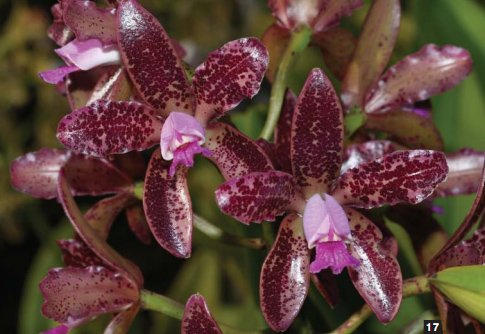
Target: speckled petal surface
{"type": "Point", "coordinates": [276, 40]}
{"type": "Point", "coordinates": [421, 75]}
{"type": "Point", "coordinates": [357, 154]}
{"type": "Point", "coordinates": [282, 133]}
{"type": "Point", "coordinates": [115, 86]}
{"type": "Point", "coordinates": [151, 60]}
{"type": "Point", "coordinates": [402, 176]}
{"type": "Point", "coordinates": [378, 278]}
{"type": "Point", "coordinates": [257, 197]}
{"type": "Point", "coordinates": [87, 20]}
{"type": "Point", "coordinates": [229, 75]}
{"type": "Point", "coordinates": [110, 127]}
{"type": "Point", "coordinates": [98, 245]}
{"type": "Point", "coordinates": [285, 278]}
{"type": "Point", "coordinates": [75, 253]}
{"type": "Point", "coordinates": [168, 208]}
{"type": "Point", "coordinates": [197, 318]}
{"type": "Point", "coordinates": [373, 51]}
{"type": "Point", "coordinates": [234, 153]}
{"type": "Point", "coordinates": [135, 216]}
{"type": "Point", "coordinates": [75, 295]}
{"type": "Point", "coordinates": [317, 135]}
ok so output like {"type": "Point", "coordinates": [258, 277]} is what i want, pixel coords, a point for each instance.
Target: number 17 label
{"type": "Point", "coordinates": [433, 327]}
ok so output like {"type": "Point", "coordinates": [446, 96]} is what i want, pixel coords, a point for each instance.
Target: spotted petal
{"type": "Point", "coordinates": [358, 154]}
{"type": "Point", "coordinates": [234, 153]}
{"type": "Point", "coordinates": [151, 60]}
{"type": "Point", "coordinates": [373, 51]}
{"type": "Point", "coordinates": [285, 278]}
{"type": "Point", "coordinates": [76, 253]}
{"type": "Point", "coordinates": [75, 295]}
{"type": "Point", "coordinates": [258, 197]}
{"type": "Point", "coordinates": [110, 127]}
{"type": "Point", "coordinates": [317, 135]}
{"type": "Point", "coordinates": [229, 75]}
{"type": "Point", "coordinates": [402, 176]}
{"type": "Point", "coordinates": [421, 75]}
{"type": "Point", "coordinates": [282, 133]}
{"type": "Point", "coordinates": [168, 208]}
{"type": "Point", "coordinates": [197, 317]}
{"type": "Point", "coordinates": [138, 223]}
{"type": "Point", "coordinates": [378, 277]}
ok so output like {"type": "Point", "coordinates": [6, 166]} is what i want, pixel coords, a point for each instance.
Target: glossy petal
{"type": "Point", "coordinates": [91, 237]}
{"type": "Point", "coordinates": [430, 71]}
{"type": "Point", "coordinates": [358, 154]}
{"type": "Point", "coordinates": [229, 75]}
{"type": "Point", "coordinates": [258, 197]}
{"type": "Point", "coordinates": [373, 51]}
{"type": "Point", "coordinates": [378, 278]}
{"type": "Point", "coordinates": [276, 40]}
{"type": "Point", "coordinates": [151, 60]}
{"type": "Point", "coordinates": [57, 75]}
{"type": "Point", "coordinates": [317, 135]}
{"type": "Point", "coordinates": [138, 223]}
{"type": "Point", "coordinates": [332, 11]}
{"type": "Point", "coordinates": [110, 127]}
{"type": "Point", "coordinates": [111, 86]}
{"type": "Point", "coordinates": [76, 253]}
{"type": "Point", "coordinates": [282, 133]}
{"type": "Point", "coordinates": [465, 173]}
{"type": "Point", "coordinates": [337, 46]}
{"type": "Point", "coordinates": [88, 54]}
{"type": "Point", "coordinates": [62, 329]}
{"type": "Point", "coordinates": [197, 317]}
{"type": "Point", "coordinates": [168, 208]}
{"type": "Point", "coordinates": [285, 278]}
{"type": "Point", "coordinates": [402, 176]}
{"type": "Point", "coordinates": [88, 21]}
{"type": "Point", "coordinates": [333, 255]}
{"type": "Point", "coordinates": [409, 128]}
{"type": "Point", "coordinates": [234, 153]}
{"type": "Point", "coordinates": [75, 295]}
{"type": "Point", "coordinates": [121, 323]}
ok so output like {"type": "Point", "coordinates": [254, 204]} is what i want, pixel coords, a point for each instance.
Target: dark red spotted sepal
{"type": "Point", "coordinates": [282, 133]}
{"type": "Point", "coordinates": [110, 127]}
{"type": "Point", "coordinates": [378, 277]}
{"type": "Point", "coordinates": [151, 60]}
{"type": "Point", "coordinates": [168, 208]}
{"type": "Point", "coordinates": [135, 215]}
{"type": "Point", "coordinates": [399, 177]}
{"type": "Point", "coordinates": [259, 196]}
{"type": "Point", "coordinates": [234, 153]}
{"type": "Point", "coordinates": [285, 277]}
{"type": "Point", "coordinates": [229, 75]}
{"type": "Point", "coordinates": [197, 318]}
{"type": "Point", "coordinates": [317, 135]}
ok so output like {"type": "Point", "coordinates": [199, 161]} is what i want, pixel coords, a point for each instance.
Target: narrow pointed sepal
{"type": "Point", "coordinates": [168, 208]}
{"type": "Point", "coordinates": [121, 322]}
{"type": "Point", "coordinates": [135, 215]}
{"type": "Point", "coordinates": [285, 277]}
{"type": "Point", "coordinates": [378, 277]}
{"type": "Point", "coordinates": [197, 317]}
{"type": "Point", "coordinates": [282, 133]}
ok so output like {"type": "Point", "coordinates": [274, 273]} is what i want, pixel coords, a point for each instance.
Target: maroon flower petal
{"type": "Point", "coordinates": [276, 40]}
{"type": "Point", "coordinates": [114, 86]}
{"type": "Point", "coordinates": [465, 173]}
{"type": "Point", "coordinates": [110, 127]}
{"type": "Point", "coordinates": [197, 317]}
{"type": "Point", "coordinates": [285, 278]}
{"type": "Point", "coordinates": [91, 237]}
{"type": "Point", "coordinates": [332, 11]}
{"type": "Point", "coordinates": [269, 149]}
{"type": "Point", "coordinates": [430, 71]}
{"type": "Point", "coordinates": [58, 31]}
{"type": "Point", "coordinates": [282, 133]}
{"type": "Point", "coordinates": [402, 176]}
{"type": "Point", "coordinates": [378, 278]}
{"type": "Point", "coordinates": [337, 46]}
{"type": "Point", "coordinates": [88, 21]}
{"type": "Point", "coordinates": [135, 215]}
{"type": "Point", "coordinates": [326, 284]}
{"type": "Point", "coordinates": [121, 323]}
{"type": "Point", "coordinates": [229, 75]}
{"type": "Point", "coordinates": [234, 153]}
{"type": "Point", "coordinates": [317, 135]}
{"type": "Point", "coordinates": [168, 208]}
{"type": "Point", "coordinates": [76, 253]}
{"type": "Point", "coordinates": [358, 154]}
{"type": "Point", "coordinates": [151, 60]}
{"type": "Point", "coordinates": [75, 295]}
{"type": "Point", "coordinates": [373, 51]}
{"type": "Point", "coordinates": [258, 197]}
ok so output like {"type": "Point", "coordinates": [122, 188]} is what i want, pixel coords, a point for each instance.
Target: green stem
{"type": "Point", "coordinates": [298, 43]}
{"type": "Point", "coordinates": [411, 287]}
{"type": "Point", "coordinates": [155, 302]}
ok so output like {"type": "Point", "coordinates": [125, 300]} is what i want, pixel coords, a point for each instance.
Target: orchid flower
{"type": "Point", "coordinates": [175, 113]}
{"type": "Point", "coordinates": [197, 317]}
{"type": "Point", "coordinates": [388, 100]}
{"type": "Point", "coordinates": [321, 203]}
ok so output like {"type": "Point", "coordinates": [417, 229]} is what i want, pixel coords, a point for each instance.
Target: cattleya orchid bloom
{"type": "Point", "coordinates": [197, 317]}
{"type": "Point", "coordinates": [175, 113]}
{"type": "Point", "coordinates": [317, 192]}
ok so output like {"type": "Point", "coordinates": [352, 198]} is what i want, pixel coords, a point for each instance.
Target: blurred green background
{"type": "Point", "coordinates": [227, 276]}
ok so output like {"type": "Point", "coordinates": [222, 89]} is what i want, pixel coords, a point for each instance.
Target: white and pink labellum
{"type": "Point", "coordinates": [197, 318]}
{"type": "Point", "coordinates": [181, 139]}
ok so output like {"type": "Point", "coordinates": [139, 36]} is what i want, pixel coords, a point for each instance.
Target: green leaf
{"type": "Point", "coordinates": [464, 287]}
